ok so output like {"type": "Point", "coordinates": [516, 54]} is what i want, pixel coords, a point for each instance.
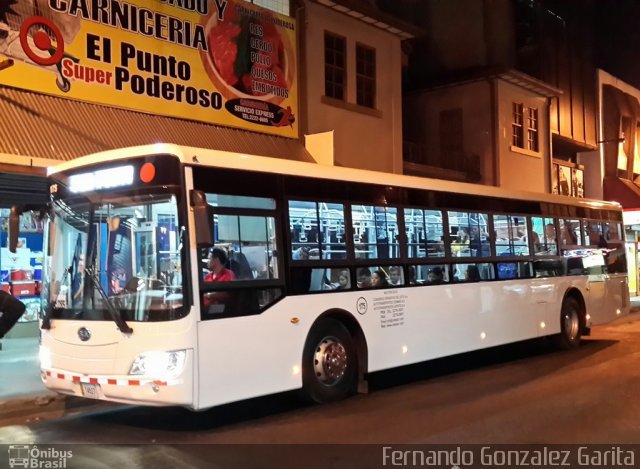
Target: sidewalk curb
{"type": "Point", "coordinates": [46, 406]}
{"type": "Point", "coordinates": [31, 407]}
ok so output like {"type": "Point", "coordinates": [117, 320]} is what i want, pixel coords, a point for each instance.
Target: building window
{"type": "Point", "coordinates": [279, 6]}
{"type": "Point", "coordinates": [532, 129]}
{"type": "Point", "coordinates": [366, 76]}
{"type": "Point", "coordinates": [335, 51]}
{"type": "Point", "coordinates": [519, 125]}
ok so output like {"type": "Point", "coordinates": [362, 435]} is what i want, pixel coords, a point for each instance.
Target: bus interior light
{"type": "Point", "coordinates": [483, 335]}
{"type": "Point", "coordinates": [295, 369]}
{"type": "Point", "coordinates": [405, 349]}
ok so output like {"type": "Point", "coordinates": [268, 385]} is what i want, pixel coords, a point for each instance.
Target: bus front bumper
{"type": "Point", "coordinates": [138, 390]}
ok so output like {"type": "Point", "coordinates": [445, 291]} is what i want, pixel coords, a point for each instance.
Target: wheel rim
{"type": "Point", "coordinates": [571, 324]}
{"type": "Point", "coordinates": [330, 361]}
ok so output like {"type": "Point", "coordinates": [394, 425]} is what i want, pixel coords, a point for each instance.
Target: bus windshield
{"type": "Point", "coordinates": [115, 255]}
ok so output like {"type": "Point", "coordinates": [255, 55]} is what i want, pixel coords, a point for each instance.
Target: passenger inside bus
{"type": "Point", "coordinates": [411, 273]}
{"type": "Point", "coordinates": [568, 235]}
{"type": "Point", "coordinates": [364, 277]}
{"type": "Point", "coordinates": [478, 243]}
{"type": "Point", "coordinates": [550, 236]}
{"type": "Point", "coordinates": [239, 266]}
{"type": "Point", "coordinates": [379, 279]}
{"type": "Point", "coordinates": [460, 245]}
{"type": "Point", "coordinates": [546, 241]}
{"type": "Point", "coordinates": [344, 282]}
{"type": "Point", "coordinates": [472, 273]}
{"type": "Point", "coordinates": [218, 272]}
{"type": "Point", "coordinates": [300, 254]}
{"type": "Point", "coordinates": [435, 276]}
{"type": "Point", "coordinates": [395, 275]}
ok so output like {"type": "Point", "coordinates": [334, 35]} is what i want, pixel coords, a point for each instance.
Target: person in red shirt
{"type": "Point", "coordinates": [218, 272]}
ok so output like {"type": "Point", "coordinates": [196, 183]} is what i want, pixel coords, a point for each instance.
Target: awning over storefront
{"type": "Point", "coordinates": [45, 126]}
{"type": "Point", "coordinates": [626, 192]}
{"type": "Point", "coordinates": [21, 189]}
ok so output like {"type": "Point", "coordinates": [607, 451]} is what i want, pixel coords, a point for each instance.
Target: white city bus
{"type": "Point", "coordinates": [333, 273]}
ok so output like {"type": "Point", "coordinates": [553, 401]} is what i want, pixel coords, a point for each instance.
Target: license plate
{"type": "Point", "coordinates": [90, 390]}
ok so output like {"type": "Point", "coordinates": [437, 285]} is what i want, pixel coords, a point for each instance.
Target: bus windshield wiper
{"type": "Point", "coordinates": [91, 274]}
{"type": "Point", "coordinates": [113, 312]}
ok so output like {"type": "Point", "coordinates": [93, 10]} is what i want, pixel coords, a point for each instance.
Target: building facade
{"type": "Point", "coordinates": [356, 91]}
{"type": "Point", "coordinates": [619, 168]}
{"type": "Point", "coordinates": [304, 80]}
{"type": "Point", "coordinates": [530, 63]}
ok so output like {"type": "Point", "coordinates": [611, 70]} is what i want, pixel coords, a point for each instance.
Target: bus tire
{"type": "Point", "coordinates": [329, 362]}
{"type": "Point", "coordinates": [571, 324]}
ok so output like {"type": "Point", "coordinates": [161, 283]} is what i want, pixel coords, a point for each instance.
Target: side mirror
{"type": "Point", "coordinates": [14, 228]}
{"type": "Point", "coordinates": [203, 214]}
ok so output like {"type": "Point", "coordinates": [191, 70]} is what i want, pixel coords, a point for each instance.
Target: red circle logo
{"type": "Point", "coordinates": [42, 41]}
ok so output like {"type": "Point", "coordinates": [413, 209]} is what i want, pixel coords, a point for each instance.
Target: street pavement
{"type": "Point", "coordinates": [24, 397]}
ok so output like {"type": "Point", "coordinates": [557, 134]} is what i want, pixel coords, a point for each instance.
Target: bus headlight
{"type": "Point", "coordinates": [159, 364]}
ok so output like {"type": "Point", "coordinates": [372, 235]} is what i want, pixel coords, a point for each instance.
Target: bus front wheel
{"type": "Point", "coordinates": [570, 324]}
{"type": "Point", "coordinates": [329, 366]}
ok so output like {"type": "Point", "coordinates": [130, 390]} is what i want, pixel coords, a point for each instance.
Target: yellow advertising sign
{"type": "Point", "coordinates": [225, 62]}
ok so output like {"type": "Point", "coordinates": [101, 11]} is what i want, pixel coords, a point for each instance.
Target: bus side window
{"type": "Point", "coordinates": [320, 280]}
{"type": "Point", "coordinates": [514, 270]}
{"type": "Point", "coordinates": [375, 232]}
{"type": "Point", "coordinates": [575, 266]}
{"type": "Point", "coordinates": [612, 231]}
{"type": "Point", "coordinates": [511, 235]}
{"type": "Point", "coordinates": [425, 233]}
{"type": "Point", "coordinates": [593, 233]}
{"type": "Point", "coordinates": [473, 272]}
{"type": "Point", "coordinates": [317, 230]}
{"type": "Point", "coordinates": [545, 239]}
{"type": "Point", "coordinates": [548, 268]}
{"type": "Point", "coordinates": [469, 234]}
{"type": "Point", "coordinates": [246, 245]}
{"type": "Point", "coordinates": [570, 233]}
{"type": "Point", "coordinates": [435, 274]}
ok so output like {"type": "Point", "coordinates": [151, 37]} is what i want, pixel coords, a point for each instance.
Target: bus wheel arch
{"type": "Point", "coordinates": [572, 320]}
{"type": "Point", "coordinates": [337, 334]}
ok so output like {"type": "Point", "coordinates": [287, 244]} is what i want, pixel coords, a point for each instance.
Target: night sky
{"type": "Point", "coordinates": [615, 27]}
{"type": "Point", "coordinates": [618, 39]}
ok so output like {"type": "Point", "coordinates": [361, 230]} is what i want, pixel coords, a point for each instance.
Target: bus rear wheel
{"type": "Point", "coordinates": [570, 324]}
{"type": "Point", "coordinates": [329, 362]}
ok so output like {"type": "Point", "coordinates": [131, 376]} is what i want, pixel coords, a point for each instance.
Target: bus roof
{"type": "Point", "coordinates": [194, 156]}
